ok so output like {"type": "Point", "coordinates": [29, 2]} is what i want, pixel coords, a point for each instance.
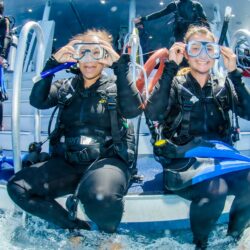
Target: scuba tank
{"type": "Point", "coordinates": [12, 53]}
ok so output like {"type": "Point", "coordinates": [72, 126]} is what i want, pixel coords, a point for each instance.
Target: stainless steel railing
{"type": "Point", "coordinates": [17, 78]}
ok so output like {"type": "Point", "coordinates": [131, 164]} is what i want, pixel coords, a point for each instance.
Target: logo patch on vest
{"type": "Point", "coordinates": [102, 101]}
{"type": "Point", "coordinates": [194, 99]}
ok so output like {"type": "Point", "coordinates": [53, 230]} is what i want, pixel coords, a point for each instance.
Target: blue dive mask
{"type": "Point", "coordinates": [195, 49]}
{"type": "Point", "coordinates": [89, 52]}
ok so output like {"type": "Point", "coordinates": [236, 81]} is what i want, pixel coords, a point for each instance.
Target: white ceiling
{"type": "Point", "coordinates": [94, 14]}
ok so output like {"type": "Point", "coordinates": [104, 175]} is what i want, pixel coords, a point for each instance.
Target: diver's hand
{"type": "Point", "coordinates": [65, 54]}
{"type": "Point", "coordinates": [229, 58]}
{"type": "Point", "coordinates": [111, 55]}
{"type": "Point", "coordinates": [137, 20]}
{"type": "Point", "coordinates": [4, 62]}
{"type": "Point", "coordinates": [176, 52]}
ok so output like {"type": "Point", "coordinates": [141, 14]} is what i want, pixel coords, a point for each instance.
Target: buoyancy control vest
{"type": "Point", "coordinates": [176, 126]}
{"type": "Point", "coordinates": [120, 141]}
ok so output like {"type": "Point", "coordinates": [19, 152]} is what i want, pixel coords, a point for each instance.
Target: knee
{"type": "Point", "coordinates": [11, 186]}
{"type": "Point", "coordinates": [102, 199]}
{"type": "Point", "coordinates": [217, 189]}
{"type": "Point", "coordinates": [15, 191]}
{"type": "Point", "coordinates": [105, 209]}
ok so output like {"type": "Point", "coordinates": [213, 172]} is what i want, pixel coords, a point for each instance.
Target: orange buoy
{"type": "Point", "coordinates": [158, 57]}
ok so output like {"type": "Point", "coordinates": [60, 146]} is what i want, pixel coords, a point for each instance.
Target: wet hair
{"type": "Point", "coordinates": [1, 8]}
{"type": "Point", "coordinates": [102, 34]}
{"type": "Point", "coordinates": [193, 30]}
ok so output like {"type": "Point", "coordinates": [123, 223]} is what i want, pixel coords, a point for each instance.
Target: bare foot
{"type": "Point", "coordinates": [111, 245]}
{"type": "Point", "coordinates": [76, 239]}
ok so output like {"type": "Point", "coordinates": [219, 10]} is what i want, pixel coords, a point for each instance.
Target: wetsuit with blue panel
{"type": "Point", "coordinates": [88, 154]}
{"type": "Point", "coordinates": [186, 13]}
{"type": "Point", "coordinates": [190, 115]}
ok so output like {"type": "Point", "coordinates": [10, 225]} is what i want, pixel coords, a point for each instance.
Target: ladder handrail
{"type": "Point", "coordinates": [18, 72]}
{"type": "Point", "coordinates": [134, 42]}
{"type": "Point", "coordinates": [239, 33]}
{"type": "Point", "coordinates": [242, 36]}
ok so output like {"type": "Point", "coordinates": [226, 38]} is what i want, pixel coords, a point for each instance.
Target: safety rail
{"type": "Point", "coordinates": [29, 58]}
{"type": "Point", "coordinates": [133, 41]}
{"type": "Point", "coordinates": [238, 35]}
{"type": "Point", "coordinates": [241, 36]}
{"type": "Point", "coordinates": [21, 49]}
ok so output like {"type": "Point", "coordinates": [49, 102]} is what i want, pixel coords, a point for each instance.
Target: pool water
{"type": "Point", "coordinates": [39, 235]}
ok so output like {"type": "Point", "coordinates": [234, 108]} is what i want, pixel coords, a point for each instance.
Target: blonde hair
{"type": "Point", "coordinates": [102, 34]}
{"type": "Point", "coordinates": [193, 30]}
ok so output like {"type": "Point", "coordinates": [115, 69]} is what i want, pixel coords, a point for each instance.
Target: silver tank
{"type": "Point", "coordinates": [12, 53]}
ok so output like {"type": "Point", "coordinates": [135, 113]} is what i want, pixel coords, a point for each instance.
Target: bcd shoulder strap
{"type": "Point", "coordinates": [186, 100]}
{"type": "Point", "coordinates": [235, 128]}
{"type": "Point", "coordinates": [111, 92]}
{"type": "Point", "coordinates": [69, 90]}
{"type": "Point", "coordinates": [66, 93]}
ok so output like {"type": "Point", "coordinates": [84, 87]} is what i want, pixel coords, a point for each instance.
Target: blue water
{"type": "Point", "coordinates": [39, 235]}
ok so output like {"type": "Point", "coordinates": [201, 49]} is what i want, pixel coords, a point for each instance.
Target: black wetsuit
{"type": "Point", "coordinates": [187, 12]}
{"type": "Point", "coordinates": [5, 37]}
{"type": "Point", "coordinates": [104, 183]}
{"type": "Point", "coordinates": [4, 45]}
{"type": "Point", "coordinates": [203, 118]}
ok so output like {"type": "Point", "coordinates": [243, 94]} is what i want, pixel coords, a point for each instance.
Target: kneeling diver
{"type": "Point", "coordinates": [92, 147]}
